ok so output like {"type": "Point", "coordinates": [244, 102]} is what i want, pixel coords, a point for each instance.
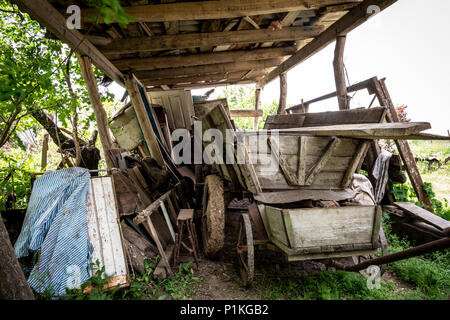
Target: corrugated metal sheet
{"type": "Point", "coordinates": [104, 230]}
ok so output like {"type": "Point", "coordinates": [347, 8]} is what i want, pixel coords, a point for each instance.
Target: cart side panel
{"type": "Point", "coordinates": [275, 221]}
{"type": "Point", "coordinates": [321, 227]}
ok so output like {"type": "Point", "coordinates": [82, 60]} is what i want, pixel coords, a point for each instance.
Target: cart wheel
{"type": "Point", "coordinates": [213, 217]}
{"type": "Point", "coordinates": [246, 250]}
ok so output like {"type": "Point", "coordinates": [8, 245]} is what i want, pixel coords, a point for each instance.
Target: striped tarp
{"type": "Point", "coordinates": [56, 223]}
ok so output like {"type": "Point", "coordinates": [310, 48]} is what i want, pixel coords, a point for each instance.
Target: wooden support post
{"type": "Point", "coordinates": [257, 95]}
{"type": "Point", "coordinates": [283, 93]}
{"type": "Point", "coordinates": [144, 121]}
{"type": "Point", "coordinates": [44, 152]}
{"type": "Point", "coordinates": [402, 145]}
{"type": "Point", "coordinates": [339, 74]}
{"type": "Point", "coordinates": [100, 113]}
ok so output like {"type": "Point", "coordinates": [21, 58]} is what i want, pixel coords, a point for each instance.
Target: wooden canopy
{"type": "Point", "coordinates": [193, 44]}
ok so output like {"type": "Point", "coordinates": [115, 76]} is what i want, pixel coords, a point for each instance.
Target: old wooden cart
{"type": "Point", "coordinates": [306, 167]}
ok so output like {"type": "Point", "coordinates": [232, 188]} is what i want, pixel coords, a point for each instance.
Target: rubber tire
{"type": "Point", "coordinates": [213, 217]}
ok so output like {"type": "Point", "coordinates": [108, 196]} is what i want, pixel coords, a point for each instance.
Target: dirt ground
{"type": "Point", "coordinates": [221, 280]}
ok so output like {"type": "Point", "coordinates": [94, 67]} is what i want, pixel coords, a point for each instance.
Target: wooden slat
{"type": "Point", "coordinates": [219, 9]}
{"type": "Point", "coordinates": [357, 158]}
{"type": "Point", "coordinates": [188, 60]}
{"type": "Point", "coordinates": [314, 171]}
{"type": "Point", "coordinates": [246, 113]}
{"type": "Point", "coordinates": [425, 216]}
{"type": "Point", "coordinates": [162, 253]}
{"type": "Point", "coordinates": [355, 17]}
{"type": "Point", "coordinates": [192, 40]}
{"type": "Point", "coordinates": [205, 69]}
{"type": "Point", "coordinates": [284, 166]}
{"type": "Point", "coordinates": [364, 131]}
{"type": "Point", "coordinates": [48, 16]}
{"type": "Point", "coordinates": [257, 221]}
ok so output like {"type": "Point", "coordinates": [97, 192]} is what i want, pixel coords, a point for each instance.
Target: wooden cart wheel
{"type": "Point", "coordinates": [246, 250]}
{"type": "Point", "coordinates": [213, 217]}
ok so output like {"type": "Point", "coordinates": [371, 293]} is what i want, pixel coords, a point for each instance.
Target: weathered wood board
{"type": "Point", "coordinates": [202, 108]}
{"type": "Point", "coordinates": [353, 116]}
{"type": "Point", "coordinates": [126, 129]}
{"type": "Point", "coordinates": [397, 130]}
{"type": "Point", "coordinates": [104, 231]}
{"type": "Point", "coordinates": [178, 105]}
{"type": "Point", "coordinates": [313, 230]}
{"type": "Point", "coordinates": [424, 215]}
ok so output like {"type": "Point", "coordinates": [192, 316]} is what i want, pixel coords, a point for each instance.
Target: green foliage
{"type": "Point", "coordinates": [243, 98]}
{"type": "Point", "coordinates": [144, 287]}
{"type": "Point", "coordinates": [110, 11]}
{"type": "Point", "coordinates": [405, 193]}
{"type": "Point", "coordinates": [430, 274]}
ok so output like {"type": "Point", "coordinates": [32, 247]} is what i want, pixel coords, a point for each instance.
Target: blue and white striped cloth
{"type": "Point", "coordinates": [56, 223]}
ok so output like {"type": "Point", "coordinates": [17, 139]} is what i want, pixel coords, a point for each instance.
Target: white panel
{"type": "Point", "coordinates": [103, 228]}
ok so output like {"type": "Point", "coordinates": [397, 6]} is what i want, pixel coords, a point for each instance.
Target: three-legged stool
{"type": "Point", "coordinates": [185, 220]}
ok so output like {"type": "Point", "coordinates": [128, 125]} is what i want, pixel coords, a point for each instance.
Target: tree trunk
{"type": "Point", "coordinates": [13, 285]}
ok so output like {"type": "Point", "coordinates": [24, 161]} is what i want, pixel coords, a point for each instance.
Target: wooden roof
{"type": "Point", "coordinates": [192, 44]}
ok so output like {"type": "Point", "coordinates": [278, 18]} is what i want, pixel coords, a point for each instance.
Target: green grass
{"type": "Point", "coordinates": [438, 149]}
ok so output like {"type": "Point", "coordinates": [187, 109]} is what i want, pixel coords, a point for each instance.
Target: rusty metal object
{"type": "Point", "coordinates": [409, 253]}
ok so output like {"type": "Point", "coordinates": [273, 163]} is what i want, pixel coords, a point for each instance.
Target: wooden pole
{"type": "Point", "coordinates": [100, 113]}
{"type": "Point", "coordinates": [257, 95]}
{"type": "Point", "coordinates": [339, 74]}
{"type": "Point", "coordinates": [144, 121]}
{"type": "Point", "coordinates": [13, 285]}
{"type": "Point", "coordinates": [283, 94]}
{"type": "Point", "coordinates": [44, 152]}
{"type": "Point", "coordinates": [384, 98]}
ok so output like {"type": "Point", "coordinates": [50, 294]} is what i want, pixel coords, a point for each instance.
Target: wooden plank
{"type": "Point", "coordinates": [104, 230]}
{"type": "Point", "coordinates": [424, 215]}
{"type": "Point", "coordinates": [48, 16]}
{"type": "Point", "coordinates": [207, 69]}
{"type": "Point", "coordinates": [364, 131]}
{"type": "Point", "coordinates": [144, 121]}
{"type": "Point", "coordinates": [218, 9]}
{"type": "Point", "coordinates": [169, 223]}
{"type": "Point", "coordinates": [284, 121]}
{"type": "Point", "coordinates": [313, 172]}
{"type": "Point", "coordinates": [352, 116]}
{"type": "Point", "coordinates": [246, 113]}
{"type": "Point", "coordinates": [189, 60]}
{"type": "Point", "coordinates": [161, 251]}
{"type": "Point", "coordinates": [355, 17]}
{"type": "Point", "coordinates": [283, 94]}
{"type": "Point", "coordinates": [331, 226]}
{"type": "Point", "coordinates": [193, 40]}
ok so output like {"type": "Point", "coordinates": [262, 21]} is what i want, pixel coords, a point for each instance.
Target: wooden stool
{"type": "Point", "coordinates": [186, 220]}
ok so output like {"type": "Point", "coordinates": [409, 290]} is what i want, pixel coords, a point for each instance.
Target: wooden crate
{"type": "Point", "coordinates": [318, 233]}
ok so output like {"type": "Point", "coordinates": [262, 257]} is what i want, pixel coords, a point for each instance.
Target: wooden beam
{"type": "Point", "coordinates": [403, 146]}
{"type": "Point", "coordinates": [43, 12]}
{"type": "Point", "coordinates": [190, 60]}
{"type": "Point", "coordinates": [143, 119]}
{"type": "Point", "coordinates": [283, 94]}
{"type": "Point", "coordinates": [100, 113]}
{"type": "Point", "coordinates": [355, 17]}
{"type": "Point", "coordinates": [339, 73]}
{"type": "Point", "coordinates": [219, 9]}
{"type": "Point", "coordinates": [223, 76]}
{"type": "Point", "coordinates": [314, 171]}
{"type": "Point", "coordinates": [206, 69]}
{"type": "Point", "coordinates": [246, 113]}
{"type": "Point", "coordinates": [193, 40]}
{"type": "Point", "coordinates": [203, 85]}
